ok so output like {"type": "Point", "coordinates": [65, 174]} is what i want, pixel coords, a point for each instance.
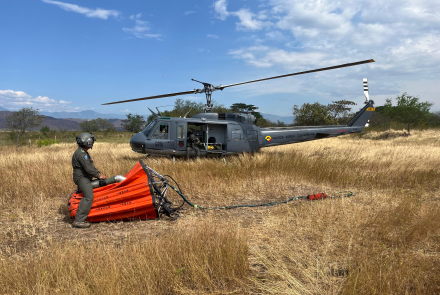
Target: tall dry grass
{"type": "Point", "coordinates": [201, 259]}
{"type": "Point", "coordinates": [383, 240]}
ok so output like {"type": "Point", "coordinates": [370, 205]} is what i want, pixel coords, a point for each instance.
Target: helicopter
{"type": "Point", "coordinates": [225, 134]}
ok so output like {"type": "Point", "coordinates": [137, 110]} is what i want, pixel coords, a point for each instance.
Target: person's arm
{"type": "Point", "coordinates": [88, 166]}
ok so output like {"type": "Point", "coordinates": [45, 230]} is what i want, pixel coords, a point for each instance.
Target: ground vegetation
{"type": "Point", "coordinates": [408, 110]}
{"type": "Point", "coordinates": [95, 125]}
{"type": "Point", "coordinates": [383, 240]}
{"type": "Point", "coordinates": [21, 121]}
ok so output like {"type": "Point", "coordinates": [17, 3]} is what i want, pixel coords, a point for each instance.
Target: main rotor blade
{"type": "Point", "coordinates": [152, 97]}
{"type": "Point", "coordinates": [300, 73]}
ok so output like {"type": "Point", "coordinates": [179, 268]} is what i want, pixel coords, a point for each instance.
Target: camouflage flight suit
{"type": "Point", "coordinates": [192, 144]}
{"type": "Point", "coordinates": [83, 172]}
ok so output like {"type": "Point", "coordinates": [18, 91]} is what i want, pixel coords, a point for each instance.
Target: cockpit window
{"type": "Point", "coordinates": [161, 132]}
{"type": "Point", "coordinates": [148, 129]}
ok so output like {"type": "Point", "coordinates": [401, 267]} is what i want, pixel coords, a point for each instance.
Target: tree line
{"type": "Point", "coordinates": [408, 111]}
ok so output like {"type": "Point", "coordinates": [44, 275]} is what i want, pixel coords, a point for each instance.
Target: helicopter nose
{"type": "Point", "coordinates": [137, 143]}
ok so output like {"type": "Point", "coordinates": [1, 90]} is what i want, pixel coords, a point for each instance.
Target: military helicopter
{"type": "Point", "coordinates": [232, 133]}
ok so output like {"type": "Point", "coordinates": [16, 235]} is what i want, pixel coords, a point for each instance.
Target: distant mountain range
{"type": "Point", "coordinates": [275, 118]}
{"type": "Point", "coordinates": [71, 120]}
{"type": "Point", "coordinates": [52, 123]}
{"type": "Point", "coordinates": [86, 115]}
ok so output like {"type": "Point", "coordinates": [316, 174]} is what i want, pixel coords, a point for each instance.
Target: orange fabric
{"type": "Point", "coordinates": [129, 199]}
{"type": "Point", "coordinates": [317, 196]}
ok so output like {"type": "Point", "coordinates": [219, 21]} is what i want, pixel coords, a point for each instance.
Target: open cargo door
{"type": "Point", "coordinates": [130, 199]}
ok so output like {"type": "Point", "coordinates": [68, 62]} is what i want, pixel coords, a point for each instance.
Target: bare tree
{"type": "Point", "coordinates": [23, 120]}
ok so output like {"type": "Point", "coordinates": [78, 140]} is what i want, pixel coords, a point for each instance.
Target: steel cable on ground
{"type": "Point", "coordinates": [344, 194]}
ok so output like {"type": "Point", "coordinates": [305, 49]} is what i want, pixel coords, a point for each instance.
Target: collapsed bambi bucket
{"type": "Point", "coordinates": [130, 199]}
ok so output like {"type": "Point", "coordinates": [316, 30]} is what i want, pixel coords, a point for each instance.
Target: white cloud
{"type": "Point", "coordinates": [14, 100]}
{"type": "Point", "coordinates": [212, 36]}
{"type": "Point", "coordinates": [141, 28]}
{"type": "Point", "coordinates": [135, 16]}
{"type": "Point", "coordinates": [220, 8]}
{"type": "Point", "coordinates": [189, 12]}
{"type": "Point", "coordinates": [264, 57]}
{"type": "Point", "coordinates": [248, 21]}
{"type": "Point", "coordinates": [125, 111]}
{"type": "Point", "coordinates": [18, 95]}
{"type": "Point", "coordinates": [98, 12]}
{"type": "Point", "coordinates": [402, 36]}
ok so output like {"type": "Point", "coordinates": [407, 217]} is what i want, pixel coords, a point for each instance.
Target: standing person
{"type": "Point", "coordinates": [83, 172]}
{"type": "Point", "coordinates": [192, 144]}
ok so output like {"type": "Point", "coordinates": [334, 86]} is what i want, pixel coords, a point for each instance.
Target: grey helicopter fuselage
{"type": "Point", "coordinates": [231, 133]}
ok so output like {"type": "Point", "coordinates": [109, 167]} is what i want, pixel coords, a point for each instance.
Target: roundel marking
{"type": "Point", "coordinates": [268, 138]}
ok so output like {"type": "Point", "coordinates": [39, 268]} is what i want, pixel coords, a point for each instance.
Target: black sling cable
{"type": "Point", "coordinates": [180, 190]}
{"type": "Point", "coordinates": [347, 194]}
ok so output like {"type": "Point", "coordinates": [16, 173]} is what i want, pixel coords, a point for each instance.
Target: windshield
{"type": "Point", "coordinates": [148, 129]}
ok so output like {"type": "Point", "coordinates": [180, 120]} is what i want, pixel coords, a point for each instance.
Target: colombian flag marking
{"type": "Point", "coordinates": [268, 138]}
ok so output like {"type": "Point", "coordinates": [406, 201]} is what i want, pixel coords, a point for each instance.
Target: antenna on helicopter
{"type": "Point", "coordinates": [187, 113]}
{"type": "Point", "coordinates": [159, 112]}
{"type": "Point", "coordinates": [157, 115]}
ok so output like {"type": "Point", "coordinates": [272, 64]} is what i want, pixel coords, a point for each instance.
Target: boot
{"type": "Point", "coordinates": [84, 224]}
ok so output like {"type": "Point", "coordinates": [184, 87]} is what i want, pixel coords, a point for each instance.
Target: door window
{"type": "Point", "coordinates": [181, 132]}
{"type": "Point", "coordinates": [161, 132]}
{"type": "Point", "coordinates": [237, 134]}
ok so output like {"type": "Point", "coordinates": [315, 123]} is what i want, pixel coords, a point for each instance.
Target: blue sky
{"type": "Point", "coordinates": [75, 55]}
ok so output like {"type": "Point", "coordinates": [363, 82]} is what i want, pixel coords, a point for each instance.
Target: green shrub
{"type": "Point", "coordinates": [45, 142]}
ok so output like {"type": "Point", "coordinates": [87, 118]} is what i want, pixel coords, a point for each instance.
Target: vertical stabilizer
{"type": "Point", "coordinates": [362, 118]}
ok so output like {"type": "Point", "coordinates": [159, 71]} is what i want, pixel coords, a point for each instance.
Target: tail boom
{"type": "Point", "coordinates": [273, 136]}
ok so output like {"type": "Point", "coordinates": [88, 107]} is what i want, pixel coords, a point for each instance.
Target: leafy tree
{"type": "Point", "coordinates": [97, 125]}
{"type": "Point", "coordinates": [434, 120]}
{"type": "Point", "coordinates": [245, 108]}
{"type": "Point", "coordinates": [340, 110]}
{"type": "Point", "coordinates": [409, 110]}
{"type": "Point", "coordinates": [105, 125]}
{"type": "Point", "coordinates": [313, 114]}
{"type": "Point", "coordinates": [24, 119]}
{"type": "Point", "coordinates": [134, 123]}
{"type": "Point", "coordinates": [45, 131]}
{"type": "Point", "coordinates": [20, 121]}
{"type": "Point", "coordinates": [89, 126]}
{"type": "Point", "coordinates": [189, 108]}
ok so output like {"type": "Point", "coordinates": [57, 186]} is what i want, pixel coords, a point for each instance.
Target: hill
{"type": "Point", "coordinates": [51, 122]}
{"type": "Point", "coordinates": [86, 115]}
{"type": "Point", "coordinates": [275, 118]}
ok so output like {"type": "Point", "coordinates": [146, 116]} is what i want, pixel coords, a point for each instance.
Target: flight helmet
{"type": "Point", "coordinates": [85, 140]}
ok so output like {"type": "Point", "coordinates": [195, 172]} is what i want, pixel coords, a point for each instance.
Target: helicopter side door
{"type": "Point", "coordinates": [181, 136]}
{"type": "Point", "coordinates": [237, 141]}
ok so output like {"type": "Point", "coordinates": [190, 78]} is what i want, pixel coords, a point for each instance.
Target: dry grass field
{"type": "Point", "coordinates": [384, 240]}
